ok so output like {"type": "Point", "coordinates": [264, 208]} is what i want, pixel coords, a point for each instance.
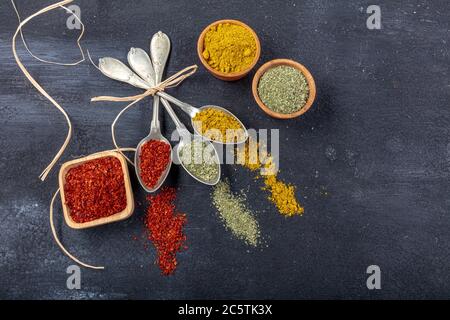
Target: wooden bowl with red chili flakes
{"type": "Point", "coordinates": [96, 190]}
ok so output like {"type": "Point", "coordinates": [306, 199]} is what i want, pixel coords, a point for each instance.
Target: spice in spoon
{"type": "Point", "coordinates": [218, 125]}
{"type": "Point", "coordinates": [165, 226]}
{"type": "Point", "coordinates": [283, 89]}
{"type": "Point", "coordinates": [199, 158]}
{"type": "Point", "coordinates": [95, 189]}
{"type": "Point", "coordinates": [153, 161]}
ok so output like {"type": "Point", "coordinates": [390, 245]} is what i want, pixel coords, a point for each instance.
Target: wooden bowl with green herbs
{"type": "Point", "coordinates": [284, 89]}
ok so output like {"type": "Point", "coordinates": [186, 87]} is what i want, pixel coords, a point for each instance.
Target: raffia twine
{"type": "Point", "coordinates": [45, 173]}
{"type": "Point", "coordinates": [172, 81]}
{"type": "Point", "coordinates": [55, 235]}
{"type": "Point", "coordinates": [30, 78]}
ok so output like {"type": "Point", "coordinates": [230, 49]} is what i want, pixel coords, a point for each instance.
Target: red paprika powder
{"type": "Point", "coordinates": [95, 189]}
{"type": "Point", "coordinates": [165, 228]}
{"type": "Point", "coordinates": [153, 160]}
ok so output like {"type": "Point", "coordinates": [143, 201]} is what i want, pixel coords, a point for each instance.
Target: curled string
{"type": "Point", "coordinates": [48, 97]}
{"type": "Point", "coordinates": [30, 78]}
{"type": "Point", "coordinates": [55, 235]}
{"type": "Point", "coordinates": [48, 61]}
{"type": "Point", "coordinates": [113, 133]}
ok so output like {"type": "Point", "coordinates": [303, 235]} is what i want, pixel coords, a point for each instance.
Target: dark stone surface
{"type": "Point", "coordinates": [371, 159]}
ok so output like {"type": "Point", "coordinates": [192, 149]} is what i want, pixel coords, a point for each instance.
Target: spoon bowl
{"type": "Point", "coordinates": [189, 138]}
{"type": "Point", "coordinates": [154, 135]}
{"type": "Point", "coordinates": [244, 135]}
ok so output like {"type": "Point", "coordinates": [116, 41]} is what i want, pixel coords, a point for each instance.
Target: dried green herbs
{"type": "Point", "coordinates": [199, 158]}
{"type": "Point", "coordinates": [283, 89]}
{"type": "Point", "coordinates": [235, 215]}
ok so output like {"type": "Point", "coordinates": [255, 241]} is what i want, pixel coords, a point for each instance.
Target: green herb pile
{"type": "Point", "coordinates": [235, 215]}
{"type": "Point", "coordinates": [283, 89]}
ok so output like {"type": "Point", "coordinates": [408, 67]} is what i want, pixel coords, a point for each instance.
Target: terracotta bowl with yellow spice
{"type": "Point", "coordinates": [250, 55]}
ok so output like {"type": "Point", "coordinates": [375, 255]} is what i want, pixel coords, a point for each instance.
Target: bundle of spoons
{"type": "Point", "coordinates": [194, 150]}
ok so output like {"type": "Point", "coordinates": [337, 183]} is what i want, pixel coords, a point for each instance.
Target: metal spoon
{"type": "Point", "coordinates": [159, 48]}
{"type": "Point", "coordinates": [186, 138]}
{"type": "Point", "coordinates": [116, 70]}
{"type": "Point", "coordinates": [192, 111]}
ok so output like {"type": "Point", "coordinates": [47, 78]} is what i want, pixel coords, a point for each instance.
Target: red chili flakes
{"type": "Point", "coordinates": [154, 158]}
{"type": "Point", "coordinates": [165, 228]}
{"type": "Point", "coordinates": [95, 189]}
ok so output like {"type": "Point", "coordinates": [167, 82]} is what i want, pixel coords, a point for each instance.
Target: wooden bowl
{"type": "Point", "coordinates": [127, 212]}
{"type": "Point", "coordinates": [291, 63]}
{"type": "Point", "coordinates": [233, 76]}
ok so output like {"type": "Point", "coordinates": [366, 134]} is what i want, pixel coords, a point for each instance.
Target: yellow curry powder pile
{"type": "Point", "coordinates": [281, 193]}
{"type": "Point", "coordinates": [218, 125]}
{"type": "Point", "coordinates": [229, 48]}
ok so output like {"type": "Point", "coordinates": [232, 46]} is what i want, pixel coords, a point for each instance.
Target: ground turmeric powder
{"type": "Point", "coordinates": [283, 196]}
{"type": "Point", "coordinates": [281, 193]}
{"type": "Point", "coordinates": [218, 125]}
{"type": "Point", "coordinates": [229, 47]}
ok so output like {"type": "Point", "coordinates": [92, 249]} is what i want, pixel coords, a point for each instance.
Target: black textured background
{"type": "Point", "coordinates": [371, 159]}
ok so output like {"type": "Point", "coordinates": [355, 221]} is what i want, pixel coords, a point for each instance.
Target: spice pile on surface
{"type": "Point", "coordinates": [283, 89]}
{"type": "Point", "coordinates": [95, 189]}
{"type": "Point", "coordinates": [165, 228]}
{"type": "Point", "coordinates": [199, 158]}
{"type": "Point", "coordinates": [235, 215]}
{"type": "Point", "coordinates": [153, 160]}
{"type": "Point", "coordinates": [281, 193]}
{"type": "Point", "coordinates": [229, 48]}
{"type": "Point", "coordinates": [218, 125]}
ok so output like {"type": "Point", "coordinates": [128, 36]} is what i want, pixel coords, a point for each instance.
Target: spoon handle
{"type": "Point", "coordinates": [179, 125]}
{"type": "Point", "coordinates": [159, 51]}
{"type": "Point", "coordinates": [141, 63]}
{"type": "Point", "coordinates": [190, 110]}
{"type": "Point", "coordinates": [115, 69]}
